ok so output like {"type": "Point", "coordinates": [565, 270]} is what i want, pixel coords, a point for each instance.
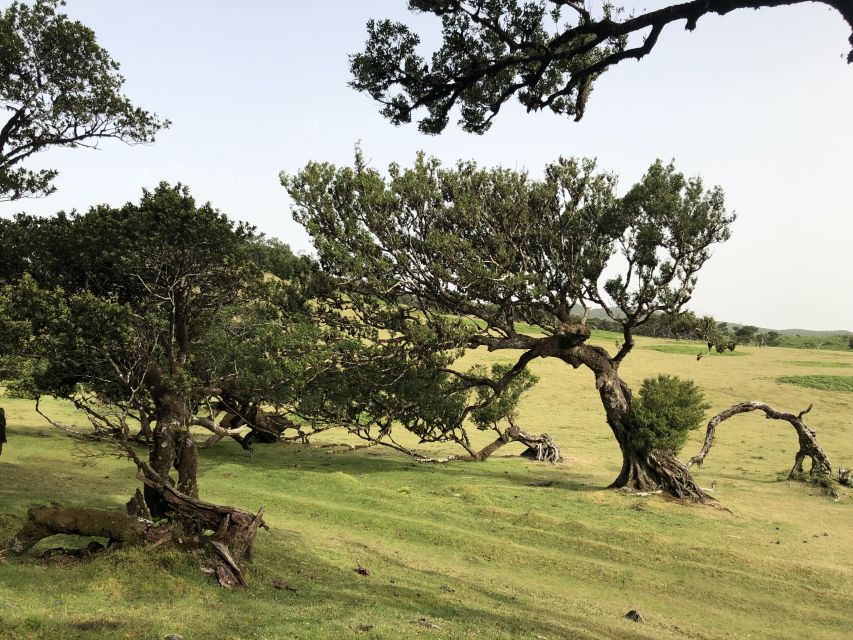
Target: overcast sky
{"type": "Point", "coordinates": [758, 102]}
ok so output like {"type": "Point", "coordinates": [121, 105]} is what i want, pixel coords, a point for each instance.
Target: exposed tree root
{"type": "Point", "coordinates": [541, 448]}
{"type": "Point", "coordinates": [652, 471]}
{"type": "Point", "coordinates": [821, 469]}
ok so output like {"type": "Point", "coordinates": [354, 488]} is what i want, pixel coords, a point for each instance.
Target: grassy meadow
{"type": "Point", "coordinates": [507, 548]}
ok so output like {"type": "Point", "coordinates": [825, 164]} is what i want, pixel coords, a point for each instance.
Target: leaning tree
{"type": "Point", "coordinates": [136, 312]}
{"type": "Point", "coordinates": [499, 250]}
{"type": "Point", "coordinates": [547, 54]}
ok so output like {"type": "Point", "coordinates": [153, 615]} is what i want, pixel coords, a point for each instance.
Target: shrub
{"type": "Point", "coordinates": [666, 410]}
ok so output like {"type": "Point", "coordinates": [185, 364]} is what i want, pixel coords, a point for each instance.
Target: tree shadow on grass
{"type": "Point", "coordinates": [291, 456]}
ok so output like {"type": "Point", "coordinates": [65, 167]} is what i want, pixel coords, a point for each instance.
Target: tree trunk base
{"type": "Point", "coordinates": [2, 428]}
{"type": "Point", "coordinates": [658, 471]}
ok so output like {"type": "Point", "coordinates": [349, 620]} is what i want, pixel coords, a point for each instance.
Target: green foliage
{"type": "Point", "coordinates": [499, 246]}
{"type": "Point", "coordinates": [746, 334]}
{"type": "Point", "coordinates": [493, 408]}
{"type": "Point", "coordinates": [547, 54]}
{"type": "Point", "coordinates": [666, 410]}
{"type": "Point", "coordinates": [123, 307]}
{"type": "Point", "coordinates": [470, 45]}
{"type": "Point", "coordinates": [60, 88]}
{"type": "Point", "coordinates": [822, 342]}
{"type": "Point", "coordinates": [824, 383]}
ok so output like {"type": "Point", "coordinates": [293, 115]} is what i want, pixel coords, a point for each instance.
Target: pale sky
{"type": "Point", "coordinates": [758, 102]}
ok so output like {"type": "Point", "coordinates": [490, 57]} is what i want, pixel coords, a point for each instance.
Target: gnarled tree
{"type": "Point", "coordinates": [123, 311]}
{"type": "Point", "coordinates": [499, 250]}
{"type": "Point", "coordinates": [547, 54]}
{"type": "Point", "coordinates": [821, 469]}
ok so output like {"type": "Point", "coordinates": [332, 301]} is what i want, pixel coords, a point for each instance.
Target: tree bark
{"type": "Point", "coordinates": [145, 431]}
{"type": "Point", "coordinates": [174, 448]}
{"type": "Point", "coordinates": [45, 521]}
{"type": "Point", "coordinates": [642, 470]}
{"type": "Point", "coordinates": [2, 428]}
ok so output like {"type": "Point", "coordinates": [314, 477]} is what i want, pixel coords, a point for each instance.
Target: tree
{"type": "Point", "coordinates": [850, 342]}
{"type": "Point", "coordinates": [60, 88]}
{"type": "Point", "coordinates": [821, 469]}
{"type": "Point", "coordinates": [496, 248]}
{"type": "Point", "coordinates": [140, 311]}
{"type": "Point", "coordinates": [547, 54]}
{"type": "Point", "coordinates": [772, 339]}
{"type": "Point", "coordinates": [706, 329]}
{"type": "Point", "coordinates": [746, 334]}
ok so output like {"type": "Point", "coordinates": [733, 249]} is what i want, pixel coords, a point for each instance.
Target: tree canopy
{"type": "Point", "coordinates": [492, 257]}
{"type": "Point", "coordinates": [59, 88]}
{"type": "Point", "coordinates": [546, 54]}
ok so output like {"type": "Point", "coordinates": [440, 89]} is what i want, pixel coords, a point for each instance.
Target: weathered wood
{"type": "Point", "coordinates": [45, 521]}
{"type": "Point", "coordinates": [809, 447]}
{"type": "Point", "coordinates": [136, 506]}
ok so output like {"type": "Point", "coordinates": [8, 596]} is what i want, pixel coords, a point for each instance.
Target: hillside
{"type": "Point", "coordinates": [599, 313]}
{"type": "Point", "coordinates": [502, 549]}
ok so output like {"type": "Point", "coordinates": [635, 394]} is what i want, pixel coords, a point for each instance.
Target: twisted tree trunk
{"type": "Point", "coordinates": [809, 447]}
{"type": "Point", "coordinates": [642, 469]}
{"type": "Point", "coordinates": [542, 448]}
{"type": "Point", "coordinates": [174, 448]}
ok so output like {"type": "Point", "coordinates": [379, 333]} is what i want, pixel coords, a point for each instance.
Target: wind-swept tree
{"type": "Point", "coordinates": [547, 54]}
{"type": "Point", "coordinates": [497, 248]}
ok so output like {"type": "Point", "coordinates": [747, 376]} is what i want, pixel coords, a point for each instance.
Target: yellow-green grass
{"type": "Point", "coordinates": [474, 548]}
{"type": "Point", "coordinates": [682, 348]}
{"type": "Point", "coordinates": [823, 364]}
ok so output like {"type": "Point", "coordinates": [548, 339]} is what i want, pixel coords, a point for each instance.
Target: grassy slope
{"type": "Point", "coordinates": [565, 561]}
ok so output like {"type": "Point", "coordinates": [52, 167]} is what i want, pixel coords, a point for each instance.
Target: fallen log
{"type": "Point", "coordinates": [45, 521]}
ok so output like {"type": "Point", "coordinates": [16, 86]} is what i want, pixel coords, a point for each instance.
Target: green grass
{"type": "Point", "coordinates": [824, 383]}
{"type": "Point", "coordinates": [472, 547]}
{"type": "Point", "coordinates": [830, 364]}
